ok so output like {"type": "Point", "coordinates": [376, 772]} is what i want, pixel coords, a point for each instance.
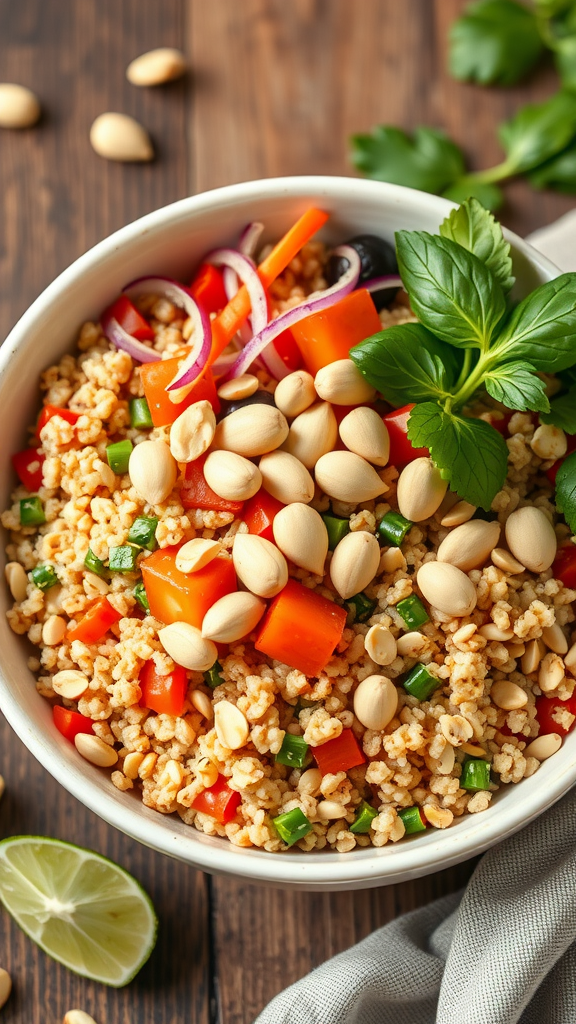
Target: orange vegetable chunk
{"type": "Point", "coordinates": [155, 379]}
{"type": "Point", "coordinates": [95, 623]}
{"type": "Point", "coordinates": [329, 335]}
{"type": "Point", "coordinates": [301, 629]}
{"type": "Point", "coordinates": [175, 596]}
{"type": "Point", "coordinates": [340, 754]}
{"type": "Point", "coordinates": [197, 493]}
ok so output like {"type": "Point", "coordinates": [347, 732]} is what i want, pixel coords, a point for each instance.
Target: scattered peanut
{"type": "Point", "coordinates": [231, 725]}
{"type": "Point", "coordinates": [251, 430]}
{"type": "Point", "coordinates": [342, 383]}
{"type": "Point", "coordinates": [19, 107]}
{"type": "Point", "coordinates": [259, 564]}
{"type": "Point", "coordinates": [286, 478]}
{"type": "Point", "coordinates": [504, 560]}
{"type": "Point", "coordinates": [532, 656]}
{"type": "Point", "coordinates": [95, 750]}
{"type": "Point", "coordinates": [490, 631]}
{"type": "Point", "coordinates": [295, 393]}
{"type": "Point", "coordinates": [391, 560]}
{"type": "Point", "coordinates": [70, 683]}
{"type": "Point", "coordinates": [455, 729]}
{"type": "Point", "coordinates": [411, 645]}
{"type": "Point", "coordinates": [232, 476]}
{"type": "Point", "coordinates": [206, 772]}
{"type": "Point", "coordinates": [551, 672]}
{"type": "Point", "coordinates": [232, 617]}
{"type": "Point", "coordinates": [156, 67]}
{"type": "Point", "coordinates": [153, 471]}
{"type": "Point", "coordinates": [364, 432]}
{"type": "Point", "coordinates": [17, 580]}
{"type": "Point", "coordinates": [531, 538]}
{"type": "Point", "coordinates": [460, 513]}
{"type": "Point", "coordinates": [239, 387]}
{"type": "Point", "coordinates": [446, 760]}
{"type": "Point", "coordinates": [196, 553]}
{"type": "Point", "coordinates": [192, 432]}
{"type": "Point", "coordinates": [549, 442]}
{"type": "Point", "coordinates": [421, 490]}
{"type": "Point", "coordinates": [544, 746]}
{"type": "Point", "coordinates": [329, 810]}
{"type": "Point", "coordinates": [131, 765]}
{"type": "Point", "coordinates": [187, 647]}
{"type": "Point", "coordinates": [120, 137]}
{"type": "Point", "coordinates": [354, 563]}
{"type": "Point", "coordinates": [146, 769]}
{"type": "Point", "coordinates": [310, 781]}
{"type": "Point", "coordinates": [447, 588]}
{"type": "Point", "coordinates": [375, 702]}
{"type": "Point", "coordinates": [469, 546]}
{"type": "Point", "coordinates": [508, 695]}
{"type": "Point", "coordinates": [301, 535]}
{"type": "Point", "coordinates": [53, 630]}
{"type": "Point", "coordinates": [312, 434]}
{"type": "Point", "coordinates": [380, 645]}
{"type": "Point", "coordinates": [347, 477]}
{"type": "Point", "coordinates": [201, 701]}
{"type": "Point", "coordinates": [553, 637]}
{"type": "Point", "coordinates": [439, 817]}
{"type": "Point", "coordinates": [570, 660]}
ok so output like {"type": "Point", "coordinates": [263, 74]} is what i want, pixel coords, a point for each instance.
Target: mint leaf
{"type": "Point", "coordinates": [517, 386]}
{"type": "Point", "coordinates": [451, 291]}
{"type": "Point", "coordinates": [542, 328]}
{"type": "Point", "coordinates": [563, 412]}
{"type": "Point", "coordinates": [565, 61]}
{"type": "Point", "coordinates": [566, 490]}
{"type": "Point", "coordinates": [538, 132]}
{"type": "Point", "coordinates": [429, 160]}
{"type": "Point", "coordinates": [494, 41]}
{"type": "Point", "coordinates": [470, 453]}
{"type": "Point", "coordinates": [406, 364]}
{"type": "Point", "coordinates": [558, 173]}
{"type": "Point", "coordinates": [474, 228]}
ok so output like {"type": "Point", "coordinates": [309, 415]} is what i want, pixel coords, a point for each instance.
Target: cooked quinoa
{"type": "Point", "coordinates": [171, 760]}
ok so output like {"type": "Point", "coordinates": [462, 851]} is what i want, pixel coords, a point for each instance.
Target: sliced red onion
{"type": "Point", "coordinates": [181, 296]}
{"type": "Point", "coordinates": [121, 339]}
{"type": "Point", "coordinates": [250, 237]}
{"type": "Point", "coordinates": [313, 304]}
{"type": "Point", "coordinates": [245, 269]}
{"type": "Point", "coordinates": [377, 284]}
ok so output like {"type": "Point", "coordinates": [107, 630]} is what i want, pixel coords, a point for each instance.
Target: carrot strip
{"type": "Point", "coordinates": [227, 322]}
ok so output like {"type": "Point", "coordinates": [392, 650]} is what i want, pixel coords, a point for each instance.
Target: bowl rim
{"type": "Point", "coordinates": [361, 867]}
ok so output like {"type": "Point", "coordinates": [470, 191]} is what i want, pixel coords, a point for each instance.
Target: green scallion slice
{"type": "Point", "coordinates": [292, 826]}
{"type": "Point", "coordinates": [123, 558]}
{"type": "Point", "coordinates": [141, 596]}
{"type": "Point", "coordinates": [118, 455]}
{"type": "Point", "coordinates": [44, 577]}
{"type": "Point", "coordinates": [412, 611]}
{"type": "Point", "coordinates": [475, 774]}
{"type": "Point", "coordinates": [420, 683]}
{"type": "Point", "coordinates": [364, 818]}
{"type": "Point", "coordinates": [94, 564]}
{"type": "Point", "coordinates": [213, 676]}
{"type": "Point", "coordinates": [143, 532]}
{"type": "Point", "coordinates": [393, 528]}
{"type": "Point", "coordinates": [293, 752]}
{"type": "Point", "coordinates": [413, 820]}
{"type": "Point", "coordinates": [336, 528]}
{"type": "Point", "coordinates": [32, 512]}
{"type": "Point", "coordinates": [360, 607]}
{"type": "Point", "coordinates": [140, 418]}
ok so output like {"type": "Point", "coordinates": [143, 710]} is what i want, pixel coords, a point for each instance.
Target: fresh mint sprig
{"type": "Point", "coordinates": [468, 340]}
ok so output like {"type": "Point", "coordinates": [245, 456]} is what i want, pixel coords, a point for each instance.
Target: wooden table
{"type": "Point", "coordinates": [276, 88]}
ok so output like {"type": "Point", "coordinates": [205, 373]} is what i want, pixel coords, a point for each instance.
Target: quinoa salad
{"type": "Point", "coordinates": [293, 543]}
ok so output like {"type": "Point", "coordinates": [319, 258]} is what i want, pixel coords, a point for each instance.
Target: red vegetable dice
{"type": "Point", "coordinates": [259, 513]}
{"type": "Point", "coordinates": [401, 450]}
{"type": "Point", "coordinates": [546, 707]}
{"type": "Point", "coordinates": [28, 465]}
{"type": "Point", "coordinates": [339, 754]}
{"type": "Point", "coordinates": [564, 565]}
{"type": "Point", "coordinates": [70, 723]}
{"type": "Point", "coordinates": [129, 318]}
{"type": "Point", "coordinates": [301, 629]}
{"type": "Point", "coordinates": [208, 288]}
{"type": "Point", "coordinates": [48, 411]}
{"type": "Point", "coordinates": [219, 801]}
{"type": "Point", "coordinates": [164, 694]}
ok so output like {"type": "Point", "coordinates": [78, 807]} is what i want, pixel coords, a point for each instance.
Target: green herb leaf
{"type": "Point", "coordinates": [470, 453]}
{"type": "Point", "coordinates": [451, 291]}
{"type": "Point", "coordinates": [563, 412]}
{"type": "Point", "coordinates": [489, 195]}
{"type": "Point", "coordinates": [542, 328]}
{"type": "Point", "coordinates": [551, 8]}
{"type": "Point", "coordinates": [429, 160]}
{"type": "Point", "coordinates": [558, 173]}
{"type": "Point", "coordinates": [474, 228]}
{"type": "Point", "coordinates": [494, 41]}
{"type": "Point", "coordinates": [565, 60]}
{"type": "Point", "coordinates": [517, 387]}
{"type": "Point", "coordinates": [538, 132]}
{"type": "Point", "coordinates": [566, 490]}
{"type": "Point", "coordinates": [406, 364]}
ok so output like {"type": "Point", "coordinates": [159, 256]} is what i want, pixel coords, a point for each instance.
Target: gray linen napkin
{"type": "Point", "coordinates": [502, 953]}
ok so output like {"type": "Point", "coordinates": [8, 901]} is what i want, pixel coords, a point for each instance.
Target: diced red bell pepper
{"type": "Point", "coordinates": [28, 465]}
{"type": "Point", "coordinates": [259, 513]}
{"type": "Point", "coordinates": [564, 565]}
{"type": "Point", "coordinates": [546, 707]}
{"type": "Point", "coordinates": [175, 596]}
{"type": "Point", "coordinates": [340, 754]}
{"type": "Point", "coordinates": [163, 694]}
{"type": "Point", "coordinates": [220, 802]}
{"type": "Point", "coordinates": [208, 288]}
{"type": "Point", "coordinates": [571, 447]}
{"type": "Point", "coordinates": [70, 723]}
{"type": "Point", "coordinates": [501, 424]}
{"type": "Point", "coordinates": [95, 623]}
{"type": "Point", "coordinates": [329, 335]}
{"type": "Point", "coordinates": [288, 350]}
{"type": "Point", "coordinates": [155, 379]}
{"type": "Point", "coordinates": [301, 629]}
{"type": "Point", "coordinates": [196, 493]}
{"type": "Point", "coordinates": [401, 451]}
{"type": "Point", "coordinates": [48, 411]}
{"type": "Point", "coordinates": [130, 318]}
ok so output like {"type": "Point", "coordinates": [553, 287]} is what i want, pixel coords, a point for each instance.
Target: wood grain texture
{"type": "Point", "coordinates": [276, 89]}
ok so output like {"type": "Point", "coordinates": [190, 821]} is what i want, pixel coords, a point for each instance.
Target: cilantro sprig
{"type": "Point", "coordinates": [469, 338]}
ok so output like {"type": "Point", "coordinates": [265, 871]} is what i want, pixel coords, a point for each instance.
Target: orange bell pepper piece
{"type": "Point", "coordinates": [155, 379]}
{"type": "Point", "coordinates": [329, 335]}
{"type": "Point", "coordinates": [259, 514]}
{"type": "Point", "coordinates": [301, 629]}
{"type": "Point", "coordinates": [95, 623]}
{"type": "Point", "coordinates": [163, 694]}
{"type": "Point", "coordinates": [70, 723]}
{"type": "Point", "coordinates": [339, 754]}
{"type": "Point", "coordinates": [174, 596]}
{"type": "Point", "coordinates": [196, 493]}
{"type": "Point", "coordinates": [48, 411]}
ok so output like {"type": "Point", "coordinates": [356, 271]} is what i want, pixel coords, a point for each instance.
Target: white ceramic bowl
{"type": "Point", "coordinates": [170, 242]}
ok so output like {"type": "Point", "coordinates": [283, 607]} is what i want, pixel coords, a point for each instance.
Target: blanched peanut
{"type": "Point", "coordinates": [549, 442]}
{"type": "Point", "coordinates": [53, 630]}
{"type": "Point", "coordinates": [455, 729]}
{"type": "Point", "coordinates": [295, 393]}
{"type": "Point", "coordinates": [233, 617]}
{"type": "Point", "coordinates": [301, 535]}
{"type": "Point", "coordinates": [17, 580]}
{"type": "Point", "coordinates": [446, 760]}
{"type": "Point", "coordinates": [532, 656]}
{"type": "Point", "coordinates": [70, 683]}
{"type": "Point", "coordinates": [231, 476]}
{"type": "Point", "coordinates": [78, 1017]}
{"type": "Point", "coordinates": [570, 660]}
{"type": "Point", "coordinates": [502, 559]}
{"type": "Point", "coordinates": [364, 432]}
{"type": "Point", "coordinates": [553, 637]}
{"type": "Point", "coordinates": [95, 750]}
{"type": "Point", "coordinates": [329, 810]}
{"type": "Point", "coordinates": [19, 107]}
{"type": "Point", "coordinates": [490, 631]}
{"type": "Point", "coordinates": [192, 433]}
{"type": "Point", "coordinates": [516, 650]}
{"type": "Point", "coordinates": [203, 704]}
{"type": "Point", "coordinates": [347, 477]}
{"type": "Point", "coordinates": [312, 434]}
{"type": "Point", "coordinates": [391, 560]}
{"type": "Point", "coordinates": [551, 673]}
{"type": "Point", "coordinates": [474, 749]}
{"type": "Point", "coordinates": [207, 772]}
{"type": "Point", "coordinates": [132, 763]}
{"type": "Point", "coordinates": [156, 67]}
{"type": "Point", "coordinates": [411, 645]}
{"type": "Point", "coordinates": [469, 546]}
{"type": "Point", "coordinates": [380, 645]}
{"type": "Point", "coordinates": [187, 647]}
{"type": "Point", "coordinates": [120, 137]}
{"type": "Point", "coordinates": [239, 387]}
{"type": "Point", "coordinates": [421, 490]}
{"type": "Point", "coordinates": [354, 563]}
{"type": "Point", "coordinates": [375, 702]}
{"type": "Point", "coordinates": [231, 725]}
{"type": "Point", "coordinates": [447, 588]}
{"type": "Point", "coordinates": [342, 383]}
{"type": "Point", "coordinates": [508, 695]}
{"type": "Point", "coordinates": [531, 538]}
{"type": "Point", "coordinates": [251, 430]}
{"type": "Point", "coordinates": [196, 553]}
{"type": "Point", "coordinates": [286, 478]}
{"type": "Point", "coordinates": [439, 817]}
{"type": "Point", "coordinates": [544, 746]}
{"type": "Point", "coordinates": [310, 782]}
{"type": "Point", "coordinates": [153, 471]}
{"type": "Point", "coordinates": [460, 513]}
{"type": "Point", "coordinates": [259, 564]}
{"type": "Point", "coordinates": [146, 769]}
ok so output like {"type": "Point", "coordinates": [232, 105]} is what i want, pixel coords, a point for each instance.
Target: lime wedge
{"type": "Point", "coordinates": [81, 908]}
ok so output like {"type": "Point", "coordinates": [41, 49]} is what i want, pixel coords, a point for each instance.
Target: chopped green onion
{"type": "Point", "coordinates": [364, 818]}
{"type": "Point", "coordinates": [292, 826]}
{"type": "Point", "coordinates": [213, 677]}
{"type": "Point", "coordinates": [360, 607]}
{"type": "Point", "coordinates": [337, 528]}
{"type": "Point", "coordinates": [44, 577]}
{"type": "Point", "coordinates": [32, 512]}
{"type": "Point", "coordinates": [412, 611]}
{"type": "Point", "coordinates": [143, 532]}
{"type": "Point", "coordinates": [123, 559]}
{"type": "Point", "coordinates": [141, 596]}
{"type": "Point", "coordinates": [140, 417]}
{"type": "Point", "coordinates": [412, 818]}
{"type": "Point", "coordinates": [293, 752]}
{"type": "Point", "coordinates": [420, 683]}
{"type": "Point", "coordinates": [118, 455]}
{"type": "Point", "coordinates": [393, 528]}
{"type": "Point", "coordinates": [94, 564]}
{"type": "Point", "coordinates": [475, 774]}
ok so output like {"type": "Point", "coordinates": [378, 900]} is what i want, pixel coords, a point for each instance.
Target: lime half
{"type": "Point", "coordinates": [81, 908]}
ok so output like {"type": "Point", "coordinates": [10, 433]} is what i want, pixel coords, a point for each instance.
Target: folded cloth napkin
{"type": "Point", "coordinates": [504, 952]}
